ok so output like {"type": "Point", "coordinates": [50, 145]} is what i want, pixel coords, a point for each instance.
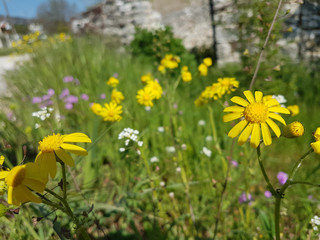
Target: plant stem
{"type": "Point", "coordinates": [64, 180]}
{"type": "Point", "coordinates": [277, 216]}
{"type": "Point", "coordinates": [264, 46]}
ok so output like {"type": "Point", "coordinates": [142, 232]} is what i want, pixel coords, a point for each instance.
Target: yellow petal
{"type": "Point", "coordinates": [266, 134]}
{"type": "Point", "coordinates": [33, 171]}
{"type": "Point", "coordinates": [3, 174]}
{"type": "Point", "coordinates": [249, 96]}
{"type": "Point", "coordinates": [235, 131]}
{"type": "Point", "coordinates": [74, 149]}
{"type": "Point", "coordinates": [232, 116]}
{"type": "Point", "coordinates": [10, 196]}
{"type": "Point", "coordinates": [277, 117]}
{"type": "Point", "coordinates": [41, 162]}
{"type": "Point", "coordinates": [240, 101]}
{"type": "Point", "coordinates": [18, 193]}
{"type": "Point", "coordinates": [76, 137]}
{"type": "Point", "coordinates": [51, 165]}
{"type": "Point", "coordinates": [274, 127]}
{"type": "Point", "coordinates": [245, 134]}
{"type": "Point", "coordinates": [255, 136]}
{"type": "Point", "coordinates": [23, 194]}
{"type": "Point", "coordinates": [272, 102]}
{"type": "Point", "coordinates": [258, 96]}
{"type": "Point", "coordinates": [279, 110]}
{"type": "Point", "coordinates": [65, 157]}
{"type": "Point", "coordinates": [234, 109]}
{"type": "Point", "coordinates": [316, 147]}
{"type": "Point", "coordinates": [34, 184]}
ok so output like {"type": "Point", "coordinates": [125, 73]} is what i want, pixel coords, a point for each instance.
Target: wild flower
{"type": "Point", "coordinates": [316, 145]}
{"type": "Point", "coordinates": [67, 79]}
{"type": "Point", "coordinates": [282, 177]}
{"type": "Point", "coordinates": [116, 96]}
{"type": "Point", "coordinates": [145, 97]}
{"type": "Point", "coordinates": [64, 93]}
{"type": "Point", "coordinates": [155, 88]}
{"type": "Point", "coordinates": [161, 129]}
{"type": "Point", "coordinates": [206, 151]}
{"type": "Point", "coordinates": [57, 146]}
{"type": "Point", "coordinates": [154, 159]}
{"type": "Point", "coordinates": [234, 163]}
{"type": "Point", "coordinates": [170, 61]}
{"type": "Point", "coordinates": [294, 110]}
{"type": "Point", "coordinates": [84, 97]}
{"type": "Point", "coordinates": [129, 134]}
{"type": "Point", "coordinates": [209, 138]}
{"type": "Point", "coordinates": [226, 85]}
{"type": "Point", "coordinates": [170, 149]}
{"type": "Point", "coordinates": [315, 222]}
{"type": "Point", "coordinates": [43, 114]}
{"type": "Point", "coordinates": [267, 194]}
{"type": "Point", "coordinates": [201, 122]}
{"type": "Point", "coordinates": [146, 78]}
{"type": "Point", "coordinates": [203, 69]}
{"type": "Point", "coordinates": [111, 112]}
{"type": "Point", "coordinates": [185, 74]}
{"type": "Point", "coordinates": [102, 96]}
{"type": "Point", "coordinates": [293, 130]}
{"type": "Point", "coordinates": [255, 115]}
{"type": "Point", "coordinates": [113, 81]}
{"type": "Point", "coordinates": [280, 98]}
{"type": "Point", "coordinates": [207, 61]}
{"type": "Point", "coordinates": [245, 198]}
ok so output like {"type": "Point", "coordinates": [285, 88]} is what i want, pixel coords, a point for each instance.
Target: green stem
{"type": "Point", "coordinates": [64, 180]}
{"type": "Point", "coordinates": [277, 216]}
{"type": "Point", "coordinates": [264, 173]}
{"type": "Point", "coordinates": [298, 164]}
{"type": "Point", "coordinates": [306, 183]}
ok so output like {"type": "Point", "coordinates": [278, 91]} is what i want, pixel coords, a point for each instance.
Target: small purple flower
{"type": "Point", "coordinates": [76, 81]}
{"type": "Point", "coordinates": [245, 197]}
{"type": "Point", "coordinates": [68, 106]}
{"type": "Point", "coordinates": [68, 79]}
{"type": "Point", "coordinates": [175, 106]}
{"type": "Point", "coordinates": [84, 97]}
{"type": "Point", "coordinates": [234, 163]}
{"type": "Point", "coordinates": [36, 100]}
{"type": "Point", "coordinates": [282, 177]}
{"type": "Point", "coordinates": [310, 197]}
{"type": "Point", "coordinates": [65, 92]}
{"type": "Point", "coordinates": [103, 96]}
{"type": "Point", "coordinates": [45, 97]}
{"type": "Point", "coordinates": [50, 92]}
{"type": "Point", "coordinates": [115, 75]}
{"type": "Point", "coordinates": [267, 194]}
{"type": "Point", "coordinates": [71, 99]}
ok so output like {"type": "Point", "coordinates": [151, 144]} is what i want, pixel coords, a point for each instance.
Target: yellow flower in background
{"type": "Point", "coordinates": [21, 180]}
{"type": "Point", "coordinates": [146, 78]}
{"type": "Point", "coordinates": [207, 61]}
{"type": "Point", "coordinates": [294, 110]}
{"type": "Point", "coordinates": [116, 96]}
{"type": "Point", "coordinates": [200, 101]}
{"type": "Point", "coordinates": [203, 69]}
{"type": "Point", "coordinates": [316, 145]}
{"type": "Point", "coordinates": [184, 69]}
{"type": "Point", "coordinates": [155, 88]}
{"type": "Point", "coordinates": [58, 145]}
{"type": "Point", "coordinates": [227, 85]}
{"type": "Point", "coordinates": [113, 82]}
{"type": "Point", "coordinates": [3, 175]}
{"type": "Point", "coordinates": [145, 97]}
{"type": "Point", "coordinates": [111, 112]}
{"type": "Point", "coordinates": [96, 108]}
{"type": "Point", "coordinates": [293, 130]}
{"type": "Point", "coordinates": [186, 76]}
{"type": "Point", "coordinates": [257, 117]}
{"type": "Point", "coordinates": [246, 52]}
{"type": "Point", "coordinates": [162, 69]}
{"type": "Point", "coordinates": [277, 68]}
{"type": "Point", "coordinates": [170, 61]}
{"type": "Point", "coordinates": [211, 92]}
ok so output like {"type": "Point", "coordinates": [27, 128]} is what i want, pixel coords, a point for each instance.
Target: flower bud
{"type": "Point", "coordinates": [293, 130]}
{"type": "Point", "coordinates": [294, 110]}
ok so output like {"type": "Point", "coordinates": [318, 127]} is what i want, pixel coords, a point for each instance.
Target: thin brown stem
{"type": "Point", "coordinates": [264, 46]}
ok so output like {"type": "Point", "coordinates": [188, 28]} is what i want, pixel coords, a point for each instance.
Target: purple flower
{"type": "Point", "coordinates": [36, 100]}
{"type": "Point", "coordinates": [282, 177]}
{"type": "Point", "coordinates": [45, 97]}
{"type": "Point", "coordinates": [267, 194]}
{"type": "Point", "coordinates": [245, 198]}
{"type": "Point", "coordinates": [115, 75]}
{"type": "Point", "coordinates": [68, 79]}
{"type": "Point", "coordinates": [175, 106]}
{"type": "Point", "coordinates": [234, 163]}
{"type": "Point", "coordinates": [103, 96]}
{"type": "Point", "coordinates": [50, 92]}
{"type": "Point", "coordinates": [76, 81]}
{"type": "Point", "coordinates": [65, 92]}
{"type": "Point", "coordinates": [84, 97]}
{"type": "Point", "coordinates": [310, 197]}
{"type": "Point", "coordinates": [68, 106]}
{"type": "Point", "coordinates": [71, 99]}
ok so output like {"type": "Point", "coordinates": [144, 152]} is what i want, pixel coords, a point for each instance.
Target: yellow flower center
{"type": "Point", "coordinates": [256, 113]}
{"type": "Point", "coordinates": [112, 112]}
{"type": "Point", "coordinates": [16, 176]}
{"type": "Point", "coordinates": [51, 143]}
{"type": "Point", "coordinates": [146, 97]}
{"type": "Point", "coordinates": [225, 83]}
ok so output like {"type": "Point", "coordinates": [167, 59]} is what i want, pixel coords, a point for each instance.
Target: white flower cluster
{"type": "Point", "coordinates": [281, 99]}
{"type": "Point", "coordinates": [315, 222]}
{"type": "Point", "coordinates": [206, 151]}
{"type": "Point", "coordinates": [130, 135]}
{"type": "Point", "coordinates": [43, 114]}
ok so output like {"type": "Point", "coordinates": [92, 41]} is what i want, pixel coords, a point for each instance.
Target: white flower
{"type": "Point", "coordinates": [43, 114]}
{"type": "Point", "coordinates": [161, 129]}
{"type": "Point", "coordinates": [154, 159]}
{"type": "Point", "coordinates": [171, 194]}
{"type": "Point", "coordinates": [140, 143]}
{"type": "Point", "coordinates": [36, 126]}
{"type": "Point", "coordinates": [280, 98]}
{"type": "Point", "coordinates": [209, 138]}
{"type": "Point", "coordinates": [184, 146]}
{"type": "Point", "coordinates": [139, 152]}
{"type": "Point", "coordinates": [178, 169]}
{"type": "Point", "coordinates": [206, 151]}
{"type": "Point", "coordinates": [122, 149]}
{"type": "Point", "coordinates": [170, 149]}
{"type": "Point", "coordinates": [162, 183]}
{"type": "Point", "coordinates": [148, 108]}
{"type": "Point", "coordinates": [202, 122]}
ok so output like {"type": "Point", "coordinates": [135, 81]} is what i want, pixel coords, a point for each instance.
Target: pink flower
{"type": "Point", "coordinates": [50, 92]}
{"type": "Point", "coordinates": [68, 106]}
{"type": "Point", "coordinates": [68, 79]}
{"type": "Point", "coordinates": [282, 177]}
{"type": "Point", "coordinates": [36, 100]}
{"type": "Point", "coordinates": [103, 96]}
{"type": "Point", "coordinates": [65, 92]}
{"type": "Point", "coordinates": [84, 97]}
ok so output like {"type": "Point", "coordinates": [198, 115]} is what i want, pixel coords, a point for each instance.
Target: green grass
{"type": "Point", "coordinates": [119, 186]}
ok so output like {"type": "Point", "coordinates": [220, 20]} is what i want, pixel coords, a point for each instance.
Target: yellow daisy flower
{"type": "Point", "coordinates": [184, 69]}
{"type": "Point", "coordinates": [186, 76]}
{"type": "Point", "coordinates": [117, 96]}
{"type": "Point", "coordinates": [96, 108]}
{"type": "Point", "coordinates": [111, 112]}
{"type": "Point", "coordinates": [145, 97]}
{"type": "Point", "coordinates": [211, 92]}
{"type": "Point", "coordinates": [293, 130]}
{"type": "Point", "coordinates": [316, 145]}
{"type": "Point", "coordinates": [227, 85]}
{"type": "Point", "coordinates": [58, 145]}
{"type": "Point", "coordinates": [21, 180]}
{"type": "Point", "coordinates": [207, 61]}
{"type": "Point", "coordinates": [203, 69]}
{"type": "Point", "coordinates": [162, 69]}
{"type": "Point", "coordinates": [170, 61]}
{"type": "Point", "coordinates": [113, 82]}
{"type": "Point", "coordinates": [257, 114]}
{"type": "Point", "coordinates": [146, 78]}
{"type": "Point", "coordinates": [200, 101]}
{"type": "Point", "coordinates": [3, 174]}
{"type": "Point", "coordinates": [155, 88]}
